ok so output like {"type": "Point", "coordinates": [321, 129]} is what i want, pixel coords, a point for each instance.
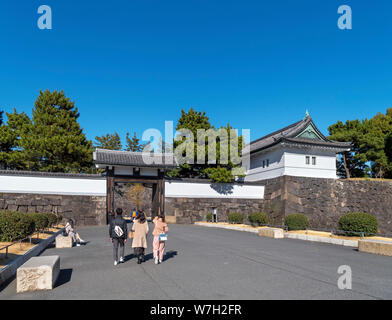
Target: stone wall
{"type": "Point", "coordinates": [84, 210]}
{"type": "Point", "coordinates": [324, 201]}
{"type": "Point", "coordinates": [190, 210]}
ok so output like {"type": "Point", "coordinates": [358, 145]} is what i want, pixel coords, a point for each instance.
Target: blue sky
{"type": "Point", "coordinates": [132, 64]}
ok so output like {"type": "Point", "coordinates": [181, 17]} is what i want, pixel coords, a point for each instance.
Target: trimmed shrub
{"type": "Point", "coordinates": [209, 217]}
{"type": "Point", "coordinates": [15, 226]}
{"type": "Point", "coordinates": [59, 218]}
{"type": "Point", "coordinates": [41, 220]}
{"type": "Point", "coordinates": [358, 222]}
{"type": "Point", "coordinates": [258, 219]}
{"type": "Point", "coordinates": [52, 219]}
{"type": "Point", "coordinates": [296, 221]}
{"type": "Point", "coordinates": [236, 218]}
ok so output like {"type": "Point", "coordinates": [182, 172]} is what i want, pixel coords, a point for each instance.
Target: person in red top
{"type": "Point", "coordinates": [159, 246]}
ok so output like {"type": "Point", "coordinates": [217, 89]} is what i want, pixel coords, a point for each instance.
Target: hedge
{"type": "Point", "coordinates": [41, 220]}
{"type": "Point", "coordinates": [296, 221]}
{"type": "Point", "coordinates": [258, 219]}
{"type": "Point", "coordinates": [209, 217]}
{"type": "Point", "coordinates": [236, 218]}
{"type": "Point", "coordinates": [358, 222]}
{"type": "Point", "coordinates": [15, 226]}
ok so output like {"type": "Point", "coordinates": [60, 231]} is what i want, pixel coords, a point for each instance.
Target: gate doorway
{"type": "Point", "coordinates": [125, 167]}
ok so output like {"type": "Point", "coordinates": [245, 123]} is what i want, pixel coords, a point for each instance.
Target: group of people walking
{"type": "Point", "coordinates": [118, 233]}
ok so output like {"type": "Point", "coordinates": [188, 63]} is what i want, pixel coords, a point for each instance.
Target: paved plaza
{"type": "Point", "coordinates": [208, 263]}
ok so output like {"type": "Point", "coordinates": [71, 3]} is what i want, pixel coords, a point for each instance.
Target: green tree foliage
{"type": "Point", "coordinates": [56, 141]}
{"type": "Point", "coordinates": [133, 144]}
{"type": "Point", "coordinates": [108, 141]}
{"type": "Point", "coordinates": [371, 153]}
{"type": "Point", "coordinates": [223, 141]}
{"type": "Point", "coordinates": [12, 134]}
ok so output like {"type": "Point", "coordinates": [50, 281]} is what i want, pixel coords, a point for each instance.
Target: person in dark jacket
{"type": "Point", "coordinates": [118, 234]}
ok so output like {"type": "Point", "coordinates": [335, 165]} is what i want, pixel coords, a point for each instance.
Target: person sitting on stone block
{"type": "Point", "coordinates": [70, 231]}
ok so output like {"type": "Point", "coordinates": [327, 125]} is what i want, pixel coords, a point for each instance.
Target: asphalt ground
{"type": "Point", "coordinates": [208, 263]}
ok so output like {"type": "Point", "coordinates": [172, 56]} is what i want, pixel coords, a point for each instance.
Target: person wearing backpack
{"type": "Point", "coordinates": [139, 242]}
{"type": "Point", "coordinates": [159, 233]}
{"type": "Point", "coordinates": [118, 234]}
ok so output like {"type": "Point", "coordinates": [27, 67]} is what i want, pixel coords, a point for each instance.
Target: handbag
{"type": "Point", "coordinates": [131, 234]}
{"type": "Point", "coordinates": [163, 237]}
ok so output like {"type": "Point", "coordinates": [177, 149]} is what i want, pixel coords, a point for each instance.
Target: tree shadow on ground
{"type": "Point", "coordinates": [64, 277]}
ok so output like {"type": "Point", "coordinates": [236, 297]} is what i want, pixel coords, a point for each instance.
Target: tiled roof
{"type": "Point", "coordinates": [135, 159]}
{"type": "Point", "coordinates": [290, 132]}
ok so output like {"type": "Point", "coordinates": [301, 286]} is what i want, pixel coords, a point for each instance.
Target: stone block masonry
{"type": "Point", "coordinates": [84, 210]}
{"type": "Point", "coordinates": [323, 201]}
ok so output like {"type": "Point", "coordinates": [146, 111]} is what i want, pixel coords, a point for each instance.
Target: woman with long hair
{"type": "Point", "coordinates": [70, 231]}
{"type": "Point", "coordinates": [159, 245]}
{"type": "Point", "coordinates": [139, 243]}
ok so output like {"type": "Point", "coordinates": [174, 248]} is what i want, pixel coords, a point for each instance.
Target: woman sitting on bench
{"type": "Point", "coordinates": [70, 231]}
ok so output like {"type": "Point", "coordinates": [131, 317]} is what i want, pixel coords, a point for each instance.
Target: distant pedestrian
{"type": "Point", "coordinates": [134, 214]}
{"type": "Point", "coordinates": [139, 243]}
{"type": "Point", "coordinates": [118, 234]}
{"type": "Point", "coordinates": [160, 235]}
{"type": "Point", "coordinates": [71, 232]}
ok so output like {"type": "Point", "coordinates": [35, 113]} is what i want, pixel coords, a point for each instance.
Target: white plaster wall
{"type": "Point", "coordinates": [275, 168]}
{"type": "Point", "coordinates": [295, 163]}
{"type": "Point", "coordinates": [292, 162]}
{"type": "Point", "coordinates": [204, 190]}
{"type": "Point", "coordinates": [53, 185]}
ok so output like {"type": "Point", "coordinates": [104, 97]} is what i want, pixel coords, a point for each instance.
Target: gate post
{"type": "Point", "coordinates": [109, 192]}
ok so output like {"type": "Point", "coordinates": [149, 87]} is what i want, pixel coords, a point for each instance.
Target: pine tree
{"type": "Point", "coordinates": [133, 144]}
{"type": "Point", "coordinates": [221, 171]}
{"type": "Point", "coordinates": [56, 141]}
{"type": "Point", "coordinates": [12, 133]}
{"type": "Point", "coordinates": [108, 141]}
{"type": "Point", "coordinates": [369, 155]}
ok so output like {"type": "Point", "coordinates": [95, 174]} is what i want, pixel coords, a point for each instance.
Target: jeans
{"type": "Point", "coordinates": [116, 243]}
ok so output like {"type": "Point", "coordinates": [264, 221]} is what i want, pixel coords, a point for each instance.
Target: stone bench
{"type": "Point", "coordinates": [38, 273]}
{"type": "Point", "coordinates": [375, 246]}
{"type": "Point", "coordinates": [275, 233]}
{"type": "Point", "coordinates": [63, 242]}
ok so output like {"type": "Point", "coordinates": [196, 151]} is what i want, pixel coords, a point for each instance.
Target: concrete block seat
{"type": "Point", "coordinates": [63, 242]}
{"type": "Point", "coordinates": [275, 233]}
{"type": "Point", "coordinates": [375, 246]}
{"type": "Point", "coordinates": [38, 273]}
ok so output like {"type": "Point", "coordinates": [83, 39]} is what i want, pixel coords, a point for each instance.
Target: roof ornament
{"type": "Point", "coordinates": [306, 113]}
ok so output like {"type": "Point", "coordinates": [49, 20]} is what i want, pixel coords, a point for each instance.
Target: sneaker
{"type": "Point", "coordinates": [121, 259]}
{"type": "Point", "coordinates": [78, 244]}
{"type": "Point", "coordinates": [156, 260]}
{"type": "Point", "coordinates": [115, 263]}
{"type": "Point", "coordinates": [160, 261]}
{"type": "Point", "coordinates": [82, 241]}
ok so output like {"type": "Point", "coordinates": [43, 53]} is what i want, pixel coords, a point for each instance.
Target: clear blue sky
{"type": "Point", "coordinates": [132, 64]}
